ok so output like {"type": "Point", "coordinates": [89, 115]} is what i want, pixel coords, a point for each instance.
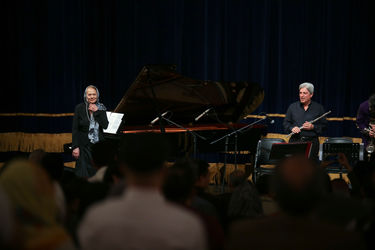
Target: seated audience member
{"type": "Point", "coordinates": [114, 177]}
{"type": "Point", "coordinates": [141, 213]}
{"type": "Point", "coordinates": [341, 210]}
{"type": "Point", "coordinates": [299, 187]}
{"type": "Point", "coordinates": [352, 176]}
{"type": "Point", "coordinates": [80, 196]}
{"type": "Point", "coordinates": [367, 180]}
{"type": "Point", "coordinates": [366, 173]}
{"type": "Point", "coordinates": [31, 194]}
{"type": "Point", "coordinates": [214, 205]}
{"type": "Point", "coordinates": [54, 166]}
{"type": "Point", "coordinates": [244, 201]}
{"type": "Point", "coordinates": [179, 188]}
{"type": "Point", "coordinates": [340, 187]}
{"type": "Point", "coordinates": [72, 187]}
{"type": "Point", "coordinates": [37, 155]}
{"type": "Point", "coordinates": [201, 200]}
{"type": "Point", "coordinates": [102, 152]}
{"type": "Point", "coordinates": [342, 206]}
{"type": "Point", "coordinates": [267, 195]}
{"type": "Point", "coordinates": [7, 222]}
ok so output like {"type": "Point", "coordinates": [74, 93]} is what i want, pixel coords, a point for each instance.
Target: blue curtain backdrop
{"type": "Point", "coordinates": [51, 50]}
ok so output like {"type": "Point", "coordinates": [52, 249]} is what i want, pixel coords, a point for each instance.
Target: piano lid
{"type": "Point", "coordinates": [160, 87]}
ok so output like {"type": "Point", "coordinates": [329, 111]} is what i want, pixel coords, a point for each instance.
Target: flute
{"type": "Point", "coordinates": [316, 119]}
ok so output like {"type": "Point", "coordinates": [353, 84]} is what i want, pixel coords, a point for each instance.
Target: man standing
{"type": "Point", "coordinates": [299, 116]}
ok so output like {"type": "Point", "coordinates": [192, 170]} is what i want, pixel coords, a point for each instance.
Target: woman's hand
{"type": "Point", "coordinates": [93, 107]}
{"type": "Point", "coordinates": [75, 153]}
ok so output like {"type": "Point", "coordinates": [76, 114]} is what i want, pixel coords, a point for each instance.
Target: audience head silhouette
{"type": "Point", "coordinates": [299, 185]}
{"type": "Point", "coordinates": [31, 194]}
{"type": "Point", "coordinates": [179, 181]}
{"type": "Point", "coordinates": [143, 153]}
{"type": "Point", "coordinates": [103, 153]}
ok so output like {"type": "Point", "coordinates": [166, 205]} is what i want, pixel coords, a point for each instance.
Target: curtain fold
{"type": "Point", "coordinates": [53, 49]}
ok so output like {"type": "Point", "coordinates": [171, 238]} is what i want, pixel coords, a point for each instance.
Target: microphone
{"type": "Point", "coordinates": [157, 118]}
{"type": "Point", "coordinates": [272, 121]}
{"type": "Point", "coordinates": [203, 114]}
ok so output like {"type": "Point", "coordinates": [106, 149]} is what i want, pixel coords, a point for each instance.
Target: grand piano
{"type": "Point", "coordinates": [161, 94]}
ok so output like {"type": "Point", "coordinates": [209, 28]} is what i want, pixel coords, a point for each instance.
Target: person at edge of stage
{"type": "Point", "coordinates": [89, 120]}
{"type": "Point", "coordinates": [365, 121]}
{"type": "Point", "coordinates": [299, 116]}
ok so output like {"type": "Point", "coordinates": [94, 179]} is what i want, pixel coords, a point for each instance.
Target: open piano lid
{"type": "Point", "coordinates": [160, 87]}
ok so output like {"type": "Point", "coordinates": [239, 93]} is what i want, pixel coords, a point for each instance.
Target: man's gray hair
{"type": "Point", "coordinates": [308, 86]}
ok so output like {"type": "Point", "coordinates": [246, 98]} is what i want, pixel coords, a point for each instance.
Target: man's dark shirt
{"type": "Point", "coordinates": [296, 116]}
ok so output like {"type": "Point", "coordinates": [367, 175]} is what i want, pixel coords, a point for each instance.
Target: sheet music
{"type": "Point", "coordinates": [114, 120]}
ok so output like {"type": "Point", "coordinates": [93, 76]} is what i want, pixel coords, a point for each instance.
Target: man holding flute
{"type": "Point", "coordinates": [299, 116]}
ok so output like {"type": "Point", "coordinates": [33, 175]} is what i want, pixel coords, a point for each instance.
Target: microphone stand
{"type": "Point", "coordinates": [195, 135]}
{"type": "Point", "coordinates": [154, 98]}
{"type": "Point", "coordinates": [235, 132]}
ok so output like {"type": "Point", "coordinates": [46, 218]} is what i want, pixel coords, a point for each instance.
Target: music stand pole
{"type": "Point", "coordinates": [225, 163]}
{"type": "Point", "coordinates": [235, 150]}
{"type": "Point", "coordinates": [195, 135]}
{"type": "Point", "coordinates": [195, 146]}
{"type": "Point", "coordinates": [226, 143]}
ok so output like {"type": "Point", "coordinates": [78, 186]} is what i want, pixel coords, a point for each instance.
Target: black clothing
{"type": "Point", "coordinates": [83, 166]}
{"type": "Point", "coordinates": [81, 125]}
{"type": "Point", "coordinates": [296, 116]}
{"type": "Point", "coordinates": [81, 140]}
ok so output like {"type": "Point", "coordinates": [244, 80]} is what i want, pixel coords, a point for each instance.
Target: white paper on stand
{"type": "Point", "coordinates": [114, 120]}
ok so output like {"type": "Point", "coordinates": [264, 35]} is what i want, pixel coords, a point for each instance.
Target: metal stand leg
{"type": "Point", "coordinates": [225, 163]}
{"type": "Point", "coordinates": [235, 151]}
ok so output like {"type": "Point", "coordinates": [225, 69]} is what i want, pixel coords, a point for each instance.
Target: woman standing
{"type": "Point", "coordinates": [88, 123]}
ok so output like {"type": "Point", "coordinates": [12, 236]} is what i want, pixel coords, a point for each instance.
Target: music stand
{"type": "Point", "coordinates": [114, 122]}
{"type": "Point", "coordinates": [284, 149]}
{"type": "Point", "coordinates": [195, 135]}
